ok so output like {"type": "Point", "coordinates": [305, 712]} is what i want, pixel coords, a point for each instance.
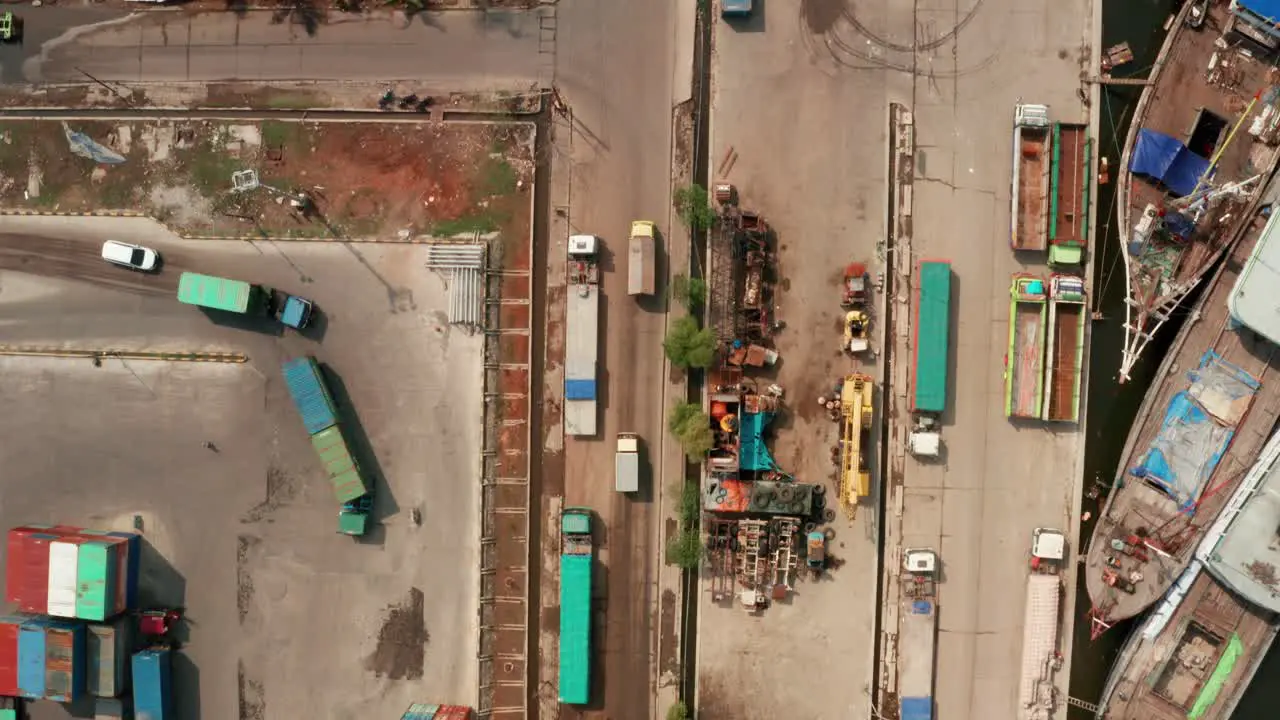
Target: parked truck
{"type": "Point", "coordinates": [242, 298]}
{"type": "Point", "coordinates": [1024, 358]}
{"type": "Point", "coordinates": [917, 633]}
{"type": "Point", "coordinates": [311, 396]}
{"type": "Point", "coordinates": [1031, 172]}
{"type": "Point", "coordinates": [1040, 659]}
{"type": "Point", "coordinates": [1069, 195]}
{"type": "Point", "coordinates": [641, 260]}
{"type": "Point", "coordinates": [153, 684]}
{"type": "Point", "coordinates": [582, 329]}
{"type": "Point", "coordinates": [1064, 361]}
{"type": "Point", "coordinates": [577, 555]}
{"type": "Point", "coordinates": [626, 463]}
{"type": "Point", "coordinates": [930, 347]}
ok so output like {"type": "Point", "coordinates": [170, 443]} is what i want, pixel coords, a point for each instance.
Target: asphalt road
{"type": "Point", "coordinates": [164, 46]}
{"type": "Point", "coordinates": [93, 445]}
{"type": "Point", "coordinates": [614, 62]}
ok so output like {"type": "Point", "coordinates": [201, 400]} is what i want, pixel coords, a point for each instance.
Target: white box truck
{"type": "Point", "coordinates": [640, 259]}
{"type": "Point", "coordinates": [626, 463]}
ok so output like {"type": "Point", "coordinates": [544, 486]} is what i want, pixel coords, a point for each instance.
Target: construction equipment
{"type": "Point", "coordinates": [10, 27]}
{"type": "Point", "coordinates": [856, 411]}
{"type": "Point", "coordinates": [857, 326]}
{"type": "Point", "coordinates": [856, 281]}
{"type": "Point", "coordinates": [816, 556]}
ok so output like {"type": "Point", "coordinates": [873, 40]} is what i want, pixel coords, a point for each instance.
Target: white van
{"type": "Point", "coordinates": [130, 256]}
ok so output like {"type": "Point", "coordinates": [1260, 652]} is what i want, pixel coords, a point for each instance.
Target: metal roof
{"type": "Point", "coordinates": [1253, 301]}
{"type": "Point", "coordinates": [1243, 547]}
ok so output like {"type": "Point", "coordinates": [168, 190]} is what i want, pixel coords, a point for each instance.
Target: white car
{"type": "Point", "coordinates": [130, 256]}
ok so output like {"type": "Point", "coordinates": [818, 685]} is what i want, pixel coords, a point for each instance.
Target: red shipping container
{"type": "Point", "coordinates": [9, 626]}
{"type": "Point", "coordinates": [27, 569]}
{"type": "Point", "coordinates": [453, 712]}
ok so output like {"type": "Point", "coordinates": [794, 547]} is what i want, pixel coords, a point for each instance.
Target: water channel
{"type": "Point", "coordinates": [1112, 406]}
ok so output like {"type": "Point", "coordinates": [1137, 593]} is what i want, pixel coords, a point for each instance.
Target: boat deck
{"type": "Point", "coordinates": [1211, 633]}
{"type": "Point", "coordinates": [1143, 509]}
{"type": "Point", "coordinates": [1210, 99]}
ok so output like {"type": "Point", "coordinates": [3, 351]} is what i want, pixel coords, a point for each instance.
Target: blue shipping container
{"type": "Point", "coordinates": [579, 389]}
{"type": "Point", "coordinates": [915, 708]}
{"type": "Point", "coordinates": [152, 680]}
{"type": "Point", "coordinates": [132, 561]}
{"type": "Point", "coordinates": [31, 642]}
{"type": "Point", "coordinates": [310, 396]}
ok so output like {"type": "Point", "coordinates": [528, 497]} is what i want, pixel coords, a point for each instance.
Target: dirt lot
{"type": "Point", "coordinates": [359, 180]}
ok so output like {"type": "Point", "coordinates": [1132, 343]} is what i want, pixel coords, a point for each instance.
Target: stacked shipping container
{"type": "Point", "coordinates": [71, 572]}
{"type": "Point", "coordinates": [107, 651]}
{"type": "Point", "coordinates": [423, 711]}
{"type": "Point", "coordinates": [152, 678]}
{"type": "Point", "coordinates": [42, 657]}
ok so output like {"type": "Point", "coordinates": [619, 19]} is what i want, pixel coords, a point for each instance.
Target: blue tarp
{"type": "Point", "coordinates": [1197, 429]}
{"type": "Point", "coordinates": [915, 708]}
{"type": "Point", "coordinates": [1266, 8]}
{"type": "Point", "coordinates": [1165, 159]}
{"type": "Point", "coordinates": [579, 389]}
{"type": "Point", "coordinates": [753, 454]}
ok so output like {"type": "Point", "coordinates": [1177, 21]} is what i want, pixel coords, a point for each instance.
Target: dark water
{"type": "Point", "coordinates": [1112, 407]}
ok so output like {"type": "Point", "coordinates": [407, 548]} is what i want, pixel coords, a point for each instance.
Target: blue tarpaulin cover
{"type": "Point", "coordinates": [1265, 8]}
{"type": "Point", "coordinates": [1165, 159]}
{"type": "Point", "coordinates": [915, 708]}
{"type": "Point", "coordinates": [753, 454]}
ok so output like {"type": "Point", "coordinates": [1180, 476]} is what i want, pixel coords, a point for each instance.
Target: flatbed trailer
{"type": "Point", "coordinates": [582, 337]}
{"type": "Point", "coordinates": [1024, 360]}
{"type": "Point", "coordinates": [1064, 361]}
{"type": "Point", "coordinates": [917, 635]}
{"type": "Point", "coordinates": [1032, 139]}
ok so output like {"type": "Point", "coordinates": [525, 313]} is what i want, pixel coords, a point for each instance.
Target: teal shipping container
{"type": "Point", "coordinates": [420, 711]}
{"type": "Point", "coordinates": [931, 336]}
{"type": "Point", "coordinates": [97, 579]}
{"type": "Point", "coordinates": [107, 652]}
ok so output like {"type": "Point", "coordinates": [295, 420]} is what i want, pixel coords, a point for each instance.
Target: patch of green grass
{"type": "Point", "coordinates": [292, 102]}
{"type": "Point", "coordinates": [286, 135]}
{"type": "Point", "coordinates": [497, 177]}
{"type": "Point", "coordinates": [210, 166]}
{"type": "Point", "coordinates": [481, 221]}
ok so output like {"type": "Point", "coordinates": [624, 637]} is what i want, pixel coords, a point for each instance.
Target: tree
{"type": "Point", "coordinates": [685, 549]}
{"type": "Point", "coordinates": [678, 712]}
{"type": "Point", "coordinates": [693, 205]}
{"type": "Point", "coordinates": [687, 346]}
{"type": "Point", "coordinates": [692, 428]}
{"type": "Point", "coordinates": [691, 292]}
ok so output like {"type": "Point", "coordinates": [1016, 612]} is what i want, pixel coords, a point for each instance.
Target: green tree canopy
{"type": "Point", "coordinates": [689, 346]}
{"type": "Point", "coordinates": [693, 205]}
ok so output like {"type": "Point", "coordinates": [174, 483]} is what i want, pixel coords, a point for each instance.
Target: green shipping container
{"type": "Point", "coordinates": [95, 581]}
{"type": "Point", "coordinates": [214, 292]}
{"type": "Point", "coordinates": [932, 326]}
{"type": "Point", "coordinates": [338, 463]}
{"type": "Point", "coordinates": [353, 523]}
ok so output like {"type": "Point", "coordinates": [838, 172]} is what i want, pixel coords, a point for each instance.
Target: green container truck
{"type": "Point", "coordinates": [341, 467]}
{"type": "Point", "coordinates": [576, 557]}
{"type": "Point", "coordinates": [242, 298]}
{"type": "Point", "coordinates": [930, 342]}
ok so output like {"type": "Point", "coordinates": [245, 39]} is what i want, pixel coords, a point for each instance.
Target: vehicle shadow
{"type": "Point", "coordinates": [260, 324]}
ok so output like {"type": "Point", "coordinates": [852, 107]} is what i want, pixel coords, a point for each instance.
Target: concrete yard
{"type": "Point", "coordinates": [287, 618]}
{"type": "Point", "coordinates": [810, 135]}
{"type": "Point", "coordinates": [804, 103]}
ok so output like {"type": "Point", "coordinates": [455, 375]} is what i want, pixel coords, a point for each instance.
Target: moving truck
{"type": "Point", "coordinates": [626, 463]}
{"type": "Point", "coordinates": [242, 298]}
{"type": "Point", "coordinates": [640, 259]}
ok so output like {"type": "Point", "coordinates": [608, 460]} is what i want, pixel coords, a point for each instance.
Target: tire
{"type": "Point", "coordinates": [829, 515]}
{"type": "Point", "coordinates": [819, 490]}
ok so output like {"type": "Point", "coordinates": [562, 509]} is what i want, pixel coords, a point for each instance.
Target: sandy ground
{"type": "Point", "coordinates": [288, 618]}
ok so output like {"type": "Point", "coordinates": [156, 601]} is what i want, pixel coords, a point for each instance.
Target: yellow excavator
{"type": "Point", "coordinates": [857, 327]}
{"type": "Point", "coordinates": [856, 413]}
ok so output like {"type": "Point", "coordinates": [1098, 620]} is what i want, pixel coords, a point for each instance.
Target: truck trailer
{"type": "Point", "coordinates": [1032, 134]}
{"type": "Point", "coordinates": [930, 348]}
{"type": "Point", "coordinates": [626, 463]}
{"type": "Point", "coordinates": [582, 343]}
{"type": "Point", "coordinates": [1064, 361]}
{"type": "Point", "coordinates": [1069, 195]}
{"type": "Point", "coordinates": [242, 298]}
{"type": "Point", "coordinates": [917, 633]}
{"type": "Point", "coordinates": [1037, 695]}
{"type": "Point", "coordinates": [641, 270]}
{"type": "Point", "coordinates": [1024, 358]}
{"type": "Point", "coordinates": [577, 555]}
